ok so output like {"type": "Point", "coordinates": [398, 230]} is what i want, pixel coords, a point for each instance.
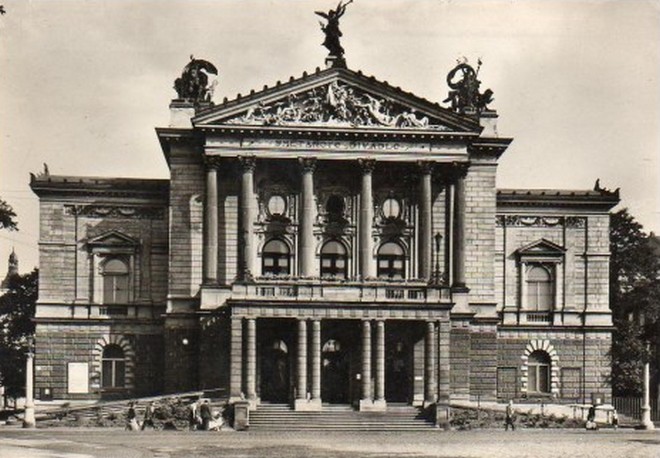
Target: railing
{"type": "Point", "coordinates": [304, 290]}
{"type": "Point", "coordinates": [538, 317]}
{"type": "Point", "coordinates": [632, 407]}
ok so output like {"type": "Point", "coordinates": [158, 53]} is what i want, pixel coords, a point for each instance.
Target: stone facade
{"type": "Point", "coordinates": [304, 254]}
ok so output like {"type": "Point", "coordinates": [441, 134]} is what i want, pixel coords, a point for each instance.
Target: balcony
{"type": "Point", "coordinates": [417, 292]}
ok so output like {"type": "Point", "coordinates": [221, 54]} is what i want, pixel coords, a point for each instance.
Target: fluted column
{"type": "Point", "coordinates": [380, 361]}
{"type": "Point", "coordinates": [459, 232]}
{"type": "Point", "coordinates": [248, 212]}
{"type": "Point", "coordinates": [301, 387]}
{"type": "Point", "coordinates": [236, 359]}
{"type": "Point", "coordinates": [211, 223]}
{"type": "Point", "coordinates": [307, 218]}
{"type": "Point", "coordinates": [251, 359]}
{"type": "Point", "coordinates": [366, 361]}
{"type": "Point", "coordinates": [426, 220]}
{"type": "Point", "coordinates": [366, 220]}
{"type": "Point", "coordinates": [430, 386]}
{"type": "Point", "coordinates": [316, 360]}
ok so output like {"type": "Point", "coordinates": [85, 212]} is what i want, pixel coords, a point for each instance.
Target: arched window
{"type": "Point", "coordinates": [275, 258]}
{"type": "Point", "coordinates": [540, 289]}
{"type": "Point", "coordinates": [538, 375]}
{"type": "Point", "coordinates": [391, 261]}
{"type": "Point", "coordinates": [113, 370]}
{"type": "Point", "coordinates": [334, 262]}
{"type": "Point", "coordinates": [115, 282]}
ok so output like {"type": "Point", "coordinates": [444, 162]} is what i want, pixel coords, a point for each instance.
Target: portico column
{"type": "Point", "coordinates": [211, 223]}
{"type": "Point", "coordinates": [426, 220]}
{"type": "Point", "coordinates": [430, 386]}
{"type": "Point", "coordinates": [380, 361]}
{"type": "Point", "coordinates": [459, 233]}
{"type": "Point", "coordinates": [366, 220]}
{"type": "Point", "coordinates": [248, 164]}
{"type": "Point", "coordinates": [307, 218]}
{"type": "Point", "coordinates": [236, 359]}
{"type": "Point", "coordinates": [301, 388]}
{"type": "Point", "coordinates": [251, 359]}
{"type": "Point", "coordinates": [316, 361]}
{"type": "Point", "coordinates": [366, 364]}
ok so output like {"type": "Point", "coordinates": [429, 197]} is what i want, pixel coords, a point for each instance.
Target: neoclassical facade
{"type": "Point", "coordinates": [331, 239]}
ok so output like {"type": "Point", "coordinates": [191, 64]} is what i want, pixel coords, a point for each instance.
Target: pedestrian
{"type": "Point", "coordinates": [206, 414]}
{"type": "Point", "coordinates": [131, 418]}
{"type": "Point", "coordinates": [148, 416]}
{"type": "Point", "coordinates": [591, 419]}
{"type": "Point", "coordinates": [192, 415]}
{"type": "Point", "coordinates": [510, 417]}
{"type": "Point", "coordinates": [615, 419]}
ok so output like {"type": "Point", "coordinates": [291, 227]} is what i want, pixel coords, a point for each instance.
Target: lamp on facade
{"type": "Point", "coordinates": [28, 416]}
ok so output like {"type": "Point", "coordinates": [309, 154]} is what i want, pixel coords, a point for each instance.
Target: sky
{"type": "Point", "coordinates": [83, 84]}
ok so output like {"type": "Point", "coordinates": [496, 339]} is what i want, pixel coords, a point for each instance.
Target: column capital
{"type": "Point", "coordinates": [248, 163]}
{"type": "Point", "coordinates": [450, 173]}
{"type": "Point", "coordinates": [212, 162]}
{"type": "Point", "coordinates": [426, 167]}
{"type": "Point", "coordinates": [367, 165]}
{"type": "Point", "coordinates": [307, 164]}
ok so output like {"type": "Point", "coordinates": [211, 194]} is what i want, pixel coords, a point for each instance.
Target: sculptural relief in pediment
{"type": "Point", "coordinates": [336, 105]}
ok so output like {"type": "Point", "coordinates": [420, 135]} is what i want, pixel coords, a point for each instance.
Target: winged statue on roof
{"type": "Point", "coordinates": [331, 28]}
{"type": "Point", "coordinates": [194, 84]}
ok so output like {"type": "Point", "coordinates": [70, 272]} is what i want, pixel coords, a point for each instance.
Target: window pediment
{"type": "Point", "coordinates": [112, 241]}
{"type": "Point", "coordinates": [541, 251]}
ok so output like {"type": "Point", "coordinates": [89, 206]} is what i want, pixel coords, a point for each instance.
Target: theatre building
{"type": "Point", "coordinates": [328, 240]}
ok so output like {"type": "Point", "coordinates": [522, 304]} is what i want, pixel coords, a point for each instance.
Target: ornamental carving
{"type": "Point", "coordinates": [337, 105]}
{"type": "Point", "coordinates": [540, 221]}
{"type": "Point", "coordinates": [113, 211]}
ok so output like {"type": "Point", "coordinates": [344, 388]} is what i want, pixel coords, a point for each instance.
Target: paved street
{"type": "Point", "coordinates": [110, 443]}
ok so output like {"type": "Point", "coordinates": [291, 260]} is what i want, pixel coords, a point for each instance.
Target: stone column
{"type": "Point", "coordinates": [236, 359]}
{"type": "Point", "coordinates": [251, 360]}
{"type": "Point", "coordinates": [430, 386]}
{"type": "Point", "coordinates": [426, 220]}
{"type": "Point", "coordinates": [316, 363]}
{"type": "Point", "coordinates": [307, 215]}
{"type": "Point", "coordinates": [380, 365]}
{"type": "Point", "coordinates": [211, 223]}
{"type": "Point", "coordinates": [366, 401]}
{"type": "Point", "coordinates": [248, 212]}
{"type": "Point", "coordinates": [29, 420]}
{"type": "Point", "coordinates": [442, 407]}
{"type": "Point", "coordinates": [458, 229]}
{"type": "Point", "coordinates": [301, 385]}
{"type": "Point", "coordinates": [366, 220]}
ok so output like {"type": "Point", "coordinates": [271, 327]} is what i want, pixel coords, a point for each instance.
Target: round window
{"type": "Point", "coordinates": [276, 205]}
{"type": "Point", "coordinates": [391, 208]}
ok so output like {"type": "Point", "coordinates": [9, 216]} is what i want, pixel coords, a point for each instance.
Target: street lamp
{"type": "Point", "coordinates": [28, 416]}
{"type": "Point", "coordinates": [646, 423]}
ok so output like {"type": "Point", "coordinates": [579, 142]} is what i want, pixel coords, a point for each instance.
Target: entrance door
{"type": "Point", "coordinates": [275, 372]}
{"type": "Point", "coordinates": [398, 361]}
{"type": "Point", "coordinates": [335, 373]}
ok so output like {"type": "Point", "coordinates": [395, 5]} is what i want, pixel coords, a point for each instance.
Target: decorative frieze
{"type": "Point", "coordinates": [540, 221]}
{"type": "Point", "coordinates": [116, 211]}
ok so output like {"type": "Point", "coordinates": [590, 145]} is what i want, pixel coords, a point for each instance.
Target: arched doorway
{"type": "Point", "coordinates": [335, 372]}
{"type": "Point", "coordinates": [275, 371]}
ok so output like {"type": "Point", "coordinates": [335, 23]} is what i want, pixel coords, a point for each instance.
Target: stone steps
{"type": "Point", "coordinates": [280, 417]}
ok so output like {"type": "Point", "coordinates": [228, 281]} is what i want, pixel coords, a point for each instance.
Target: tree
{"type": "Point", "coordinates": [634, 300]}
{"type": "Point", "coordinates": [7, 216]}
{"type": "Point", "coordinates": [17, 307]}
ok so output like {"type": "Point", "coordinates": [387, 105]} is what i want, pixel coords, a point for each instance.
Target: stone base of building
{"type": "Point", "coordinates": [307, 405]}
{"type": "Point", "coordinates": [369, 405]}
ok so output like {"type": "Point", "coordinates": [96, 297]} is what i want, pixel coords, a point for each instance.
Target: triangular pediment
{"type": "Point", "coordinates": [112, 238]}
{"type": "Point", "coordinates": [336, 98]}
{"type": "Point", "coordinates": [541, 247]}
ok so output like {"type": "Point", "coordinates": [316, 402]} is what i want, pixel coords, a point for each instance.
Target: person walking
{"type": "Point", "coordinates": [205, 413]}
{"type": "Point", "coordinates": [510, 417]}
{"type": "Point", "coordinates": [148, 417]}
{"type": "Point", "coordinates": [131, 418]}
{"type": "Point", "coordinates": [193, 414]}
